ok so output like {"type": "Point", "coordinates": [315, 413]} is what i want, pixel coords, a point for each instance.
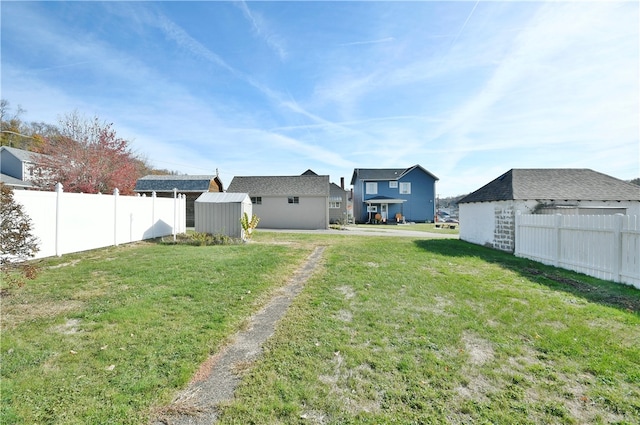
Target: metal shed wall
{"type": "Point", "coordinates": [218, 213]}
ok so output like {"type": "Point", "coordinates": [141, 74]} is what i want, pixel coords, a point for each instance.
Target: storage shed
{"type": "Point", "coordinates": [220, 213]}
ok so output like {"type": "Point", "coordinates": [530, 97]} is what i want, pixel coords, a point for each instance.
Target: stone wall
{"type": "Point", "coordinates": [505, 228]}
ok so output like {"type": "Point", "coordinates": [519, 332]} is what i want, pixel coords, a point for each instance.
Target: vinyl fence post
{"type": "Point", "coordinates": [558, 253]}
{"type": "Point", "coordinates": [617, 246]}
{"type": "Point", "coordinates": [116, 192]}
{"type": "Point", "coordinates": [175, 211]}
{"type": "Point", "coordinates": [153, 214]}
{"type": "Point", "coordinates": [59, 190]}
{"type": "Point", "coordinates": [517, 242]}
{"type": "Point", "coordinates": [183, 208]}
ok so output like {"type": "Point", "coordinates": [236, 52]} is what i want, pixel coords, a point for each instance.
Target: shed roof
{"type": "Point", "coordinates": [222, 197]}
{"type": "Point", "coordinates": [166, 183]}
{"type": "Point", "coordinates": [305, 185]}
{"type": "Point", "coordinates": [555, 184]}
{"type": "Point", "coordinates": [385, 174]}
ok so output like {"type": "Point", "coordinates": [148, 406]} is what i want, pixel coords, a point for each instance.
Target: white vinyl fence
{"type": "Point", "coordinates": [603, 246]}
{"type": "Point", "coordinates": [73, 222]}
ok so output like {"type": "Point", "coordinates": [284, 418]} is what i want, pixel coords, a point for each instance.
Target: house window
{"type": "Point", "coordinates": [293, 200]}
{"type": "Point", "coordinates": [256, 200]}
{"type": "Point", "coordinates": [405, 188]}
{"type": "Point", "coordinates": [393, 184]}
{"type": "Point", "coordinates": [333, 204]}
{"type": "Point", "coordinates": [372, 188]}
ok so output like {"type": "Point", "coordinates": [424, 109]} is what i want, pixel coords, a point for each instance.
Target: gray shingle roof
{"type": "Point", "coordinates": [555, 184]}
{"type": "Point", "coordinates": [22, 155]}
{"type": "Point", "coordinates": [13, 182]}
{"type": "Point", "coordinates": [384, 173]}
{"type": "Point", "coordinates": [306, 185]}
{"type": "Point", "coordinates": [166, 183]}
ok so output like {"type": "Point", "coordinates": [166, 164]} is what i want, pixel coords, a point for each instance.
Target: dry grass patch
{"type": "Point", "coordinates": [14, 314]}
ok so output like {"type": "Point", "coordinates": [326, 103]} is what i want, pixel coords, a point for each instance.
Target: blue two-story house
{"type": "Point", "coordinates": [393, 195]}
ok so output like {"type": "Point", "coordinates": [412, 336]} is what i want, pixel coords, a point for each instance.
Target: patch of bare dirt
{"type": "Point", "coordinates": [341, 382]}
{"type": "Point", "coordinates": [480, 351]}
{"type": "Point", "coordinates": [70, 327]}
{"type": "Point", "coordinates": [347, 291]}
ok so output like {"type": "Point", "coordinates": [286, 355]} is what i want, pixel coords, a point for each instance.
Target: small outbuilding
{"type": "Point", "coordinates": [220, 213]}
{"type": "Point", "coordinates": [191, 186]}
{"type": "Point", "coordinates": [487, 216]}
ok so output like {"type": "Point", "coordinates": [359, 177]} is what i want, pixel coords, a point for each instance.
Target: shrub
{"type": "Point", "coordinates": [201, 239]}
{"type": "Point", "coordinates": [17, 244]}
{"type": "Point", "coordinates": [249, 225]}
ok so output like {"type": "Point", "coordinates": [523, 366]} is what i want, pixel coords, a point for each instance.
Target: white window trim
{"type": "Point", "coordinates": [393, 184]}
{"type": "Point", "coordinates": [371, 188]}
{"type": "Point", "coordinates": [405, 188]}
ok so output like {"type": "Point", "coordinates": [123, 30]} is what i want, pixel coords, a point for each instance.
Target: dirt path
{"type": "Point", "coordinates": [216, 380]}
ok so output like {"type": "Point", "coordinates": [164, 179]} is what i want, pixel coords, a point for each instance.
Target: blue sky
{"type": "Point", "coordinates": [468, 90]}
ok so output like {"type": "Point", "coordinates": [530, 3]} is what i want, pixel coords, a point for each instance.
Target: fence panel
{"type": "Point", "coordinates": [41, 209]}
{"type": "Point", "coordinates": [73, 222]}
{"type": "Point", "coordinates": [606, 246]}
{"type": "Point", "coordinates": [85, 222]}
{"type": "Point", "coordinates": [629, 264]}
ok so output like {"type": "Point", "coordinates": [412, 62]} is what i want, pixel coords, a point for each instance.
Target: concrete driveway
{"type": "Point", "coordinates": [388, 230]}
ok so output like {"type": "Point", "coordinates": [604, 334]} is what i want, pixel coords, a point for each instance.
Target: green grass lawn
{"type": "Point", "coordinates": [388, 330]}
{"type": "Point", "coordinates": [104, 336]}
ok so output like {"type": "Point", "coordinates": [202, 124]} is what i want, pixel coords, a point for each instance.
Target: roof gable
{"type": "Point", "coordinates": [386, 174]}
{"type": "Point", "coordinates": [305, 185]}
{"type": "Point", "coordinates": [21, 154]}
{"type": "Point", "coordinates": [556, 184]}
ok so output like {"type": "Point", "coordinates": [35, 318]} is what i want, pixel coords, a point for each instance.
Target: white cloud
{"type": "Point", "coordinates": [260, 28]}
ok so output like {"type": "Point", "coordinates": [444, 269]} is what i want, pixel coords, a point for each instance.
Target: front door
{"type": "Point", "coordinates": [383, 212]}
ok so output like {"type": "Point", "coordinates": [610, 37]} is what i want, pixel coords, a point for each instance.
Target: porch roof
{"type": "Point", "coordinates": [384, 200]}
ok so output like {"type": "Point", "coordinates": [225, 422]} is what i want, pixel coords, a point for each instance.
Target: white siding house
{"type": "Point", "coordinates": [18, 167]}
{"type": "Point", "coordinates": [287, 202]}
